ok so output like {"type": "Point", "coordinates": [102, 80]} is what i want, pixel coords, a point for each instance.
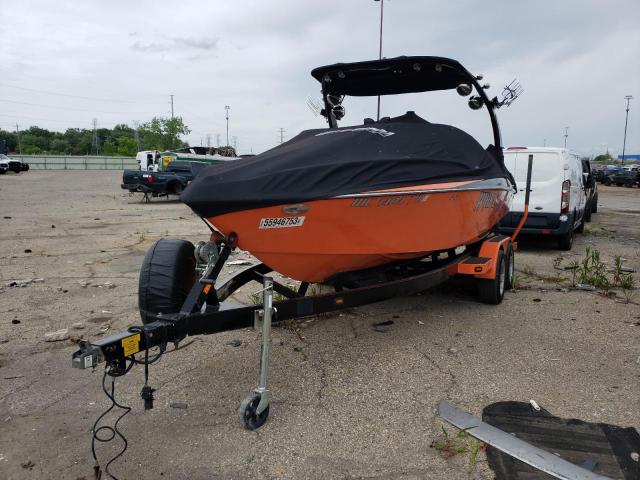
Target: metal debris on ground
{"type": "Point", "coordinates": [382, 327]}
{"type": "Point", "coordinates": [57, 336]}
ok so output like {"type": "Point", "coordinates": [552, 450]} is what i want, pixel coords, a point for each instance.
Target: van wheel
{"type": "Point", "coordinates": [587, 213]}
{"type": "Point", "coordinates": [565, 241]}
{"type": "Point", "coordinates": [168, 272]}
{"type": "Point", "coordinates": [594, 204]}
{"type": "Point", "coordinates": [492, 290]}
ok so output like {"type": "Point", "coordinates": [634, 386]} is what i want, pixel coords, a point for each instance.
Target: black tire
{"type": "Point", "coordinates": [492, 291]}
{"type": "Point", "coordinates": [565, 241]}
{"type": "Point", "coordinates": [2, 172]}
{"type": "Point", "coordinates": [510, 258]}
{"type": "Point", "coordinates": [587, 213]}
{"type": "Point", "coordinates": [167, 274]}
{"type": "Point", "coordinates": [594, 204]}
{"type": "Point", "coordinates": [250, 419]}
{"type": "Point", "coordinates": [177, 189]}
{"type": "Point", "coordinates": [25, 167]}
{"type": "Point", "coordinates": [607, 182]}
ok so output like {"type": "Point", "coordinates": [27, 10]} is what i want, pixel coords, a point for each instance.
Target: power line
{"type": "Point", "coordinates": [48, 92]}
{"type": "Point", "coordinates": [71, 108]}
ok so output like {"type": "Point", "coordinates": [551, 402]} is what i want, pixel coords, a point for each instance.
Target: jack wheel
{"type": "Point", "coordinates": [492, 290]}
{"type": "Point", "coordinates": [248, 415]}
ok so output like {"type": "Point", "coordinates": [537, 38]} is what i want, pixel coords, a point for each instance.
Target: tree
{"type": "Point", "coordinates": [603, 158]}
{"type": "Point", "coordinates": [158, 134]}
{"type": "Point", "coordinates": [163, 133]}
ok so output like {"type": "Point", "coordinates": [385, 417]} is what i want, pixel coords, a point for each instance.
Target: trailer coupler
{"type": "Point", "coordinates": [116, 349]}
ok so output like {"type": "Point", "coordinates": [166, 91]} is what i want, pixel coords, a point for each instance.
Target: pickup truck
{"type": "Point", "coordinates": [16, 166]}
{"type": "Point", "coordinates": [171, 182]}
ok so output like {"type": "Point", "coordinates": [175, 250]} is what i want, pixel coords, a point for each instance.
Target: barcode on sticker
{"type": "Point", "coordinates": [281, 222]}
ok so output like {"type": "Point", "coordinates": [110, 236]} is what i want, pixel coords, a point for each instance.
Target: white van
{"type": "Point", "coordinates": [557, 200]}
{"type": "Point", "coordinates": [149, 160]}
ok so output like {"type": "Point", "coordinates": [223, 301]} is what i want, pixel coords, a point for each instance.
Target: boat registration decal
{"type": "Point", "coordinates": [281, 222]}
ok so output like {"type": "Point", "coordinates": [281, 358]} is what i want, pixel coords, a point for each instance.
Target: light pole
{"type": "Point", "coordinates": [226, 107]}
{"type": "Point", "coordinates": [626, 120]}
{"type": "Point", "coordinates": [380, 48]}
{"type": "Point", "coordinates": [566, 134]}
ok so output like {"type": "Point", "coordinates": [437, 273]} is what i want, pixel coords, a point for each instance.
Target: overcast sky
{"type": "Point", "coordinates": [65, 62]}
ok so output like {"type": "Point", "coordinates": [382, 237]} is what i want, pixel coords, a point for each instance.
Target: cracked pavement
{"type": "Point", "coordinates": [348, 401]}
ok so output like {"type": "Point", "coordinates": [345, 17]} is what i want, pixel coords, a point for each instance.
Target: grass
{"type": "Point", "coordinates": [461, 443]}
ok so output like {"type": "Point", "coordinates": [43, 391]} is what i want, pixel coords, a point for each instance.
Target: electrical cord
{"type": "Point", "coordinates": [109, 431]}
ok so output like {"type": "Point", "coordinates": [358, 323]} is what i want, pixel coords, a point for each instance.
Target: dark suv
{"type": "Point", "coordinates": [590, 190]}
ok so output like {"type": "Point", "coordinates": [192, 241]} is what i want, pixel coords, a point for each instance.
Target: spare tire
{"type": "Point", "coordinates": [167, 274]}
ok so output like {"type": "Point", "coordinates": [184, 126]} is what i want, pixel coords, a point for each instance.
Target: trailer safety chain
{"type": "Point", "coordinates": [110, 432]}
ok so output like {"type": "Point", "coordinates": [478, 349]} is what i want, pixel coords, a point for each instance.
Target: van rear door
{"type": "Point", "coordinates": [547, 175]}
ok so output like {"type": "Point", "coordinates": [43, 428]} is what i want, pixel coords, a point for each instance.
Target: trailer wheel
{"type": "Point", "coordinates": [510, 259]}
{"type": "Point", "coordinates": [492, 290]}
{"type": "Point", "coordinates": [248, 415]}
{"type": "Point", "coordinates": [168, 272]}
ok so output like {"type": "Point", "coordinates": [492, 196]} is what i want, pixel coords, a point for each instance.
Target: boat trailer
{"type": "Point", "coordinates": [207, 309]}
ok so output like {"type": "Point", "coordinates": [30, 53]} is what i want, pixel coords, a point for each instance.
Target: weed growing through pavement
{"type": "Point", "coordinates": [452, 445]}
{"type": "Point", "coordinates": [593, 271]}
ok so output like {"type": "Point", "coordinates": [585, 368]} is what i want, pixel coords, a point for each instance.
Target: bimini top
{"type": "Point", "coordinates": [324, 163]}
{"type": "Point", "coordinates": [391, 76]}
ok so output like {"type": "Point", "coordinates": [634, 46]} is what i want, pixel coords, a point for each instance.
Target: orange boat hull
{"type": "Point", "coordinates": [355, 232]}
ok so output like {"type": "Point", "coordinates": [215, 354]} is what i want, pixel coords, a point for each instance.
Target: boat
{"type": "Point", "coordinates": [345, 199]}
{"type": "Point", "coordinates": [209, 155]}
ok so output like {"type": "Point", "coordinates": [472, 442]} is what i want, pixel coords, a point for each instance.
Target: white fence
{"type": "Point", "coordinates": [70, 162]}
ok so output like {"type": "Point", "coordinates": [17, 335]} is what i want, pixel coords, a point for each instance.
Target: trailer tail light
{"type": "Point", "coordinates": [566, 195]}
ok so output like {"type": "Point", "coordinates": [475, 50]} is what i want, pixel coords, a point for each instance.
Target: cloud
{"type": "Point", "coordinates": [182, 44]}
{"type": "Point", "coordinates": [576, 60]}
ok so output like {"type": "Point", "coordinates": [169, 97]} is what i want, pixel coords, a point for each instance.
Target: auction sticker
{"type": "Point", "coordinates": [281, 222]}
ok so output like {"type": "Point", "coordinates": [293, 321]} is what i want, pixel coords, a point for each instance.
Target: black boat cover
{"type": "Point", "coordinates": [323, 163]}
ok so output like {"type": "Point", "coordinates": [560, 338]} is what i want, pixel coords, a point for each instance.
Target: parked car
{"type": "Point", "coordinates": [590, 190]}
{"type": "Point", "coordinates": [558, 199]}
{"type": "Point", "coordinates": [171, 182]}
{"type": "Point", "coordinates": [12, 164]}
{"type": "Point", "coordinates": [622, 177]}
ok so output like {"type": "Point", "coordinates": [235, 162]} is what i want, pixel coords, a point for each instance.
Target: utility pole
{"type": "Point", "coordinates": [281, 135]}
{"type": "Point", "coordinates": [226, 107]}
{"type": "Point", "coordinates": [94, 140]}
{"type": "Point", "coordinates": [19, 142]}
{"type": "Point", "coordinates": [235, 144]}
{"type": "Point", "coordinates": [380, 47]}
{"type": "Point", "coordinates": [545, 142]}
{"type": "Point", "coordinates": [136, 136]}
{"type": "Point", "coordinates": [218, 140]}
{"type": "Point", "coordinates": [566, 134]}
{"type": "Point", "coordinates": [171, 105]}
{"type": "Point", "coordinates": [626, 120]}
{"type": "Point", "coordinates": [208, 141]}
